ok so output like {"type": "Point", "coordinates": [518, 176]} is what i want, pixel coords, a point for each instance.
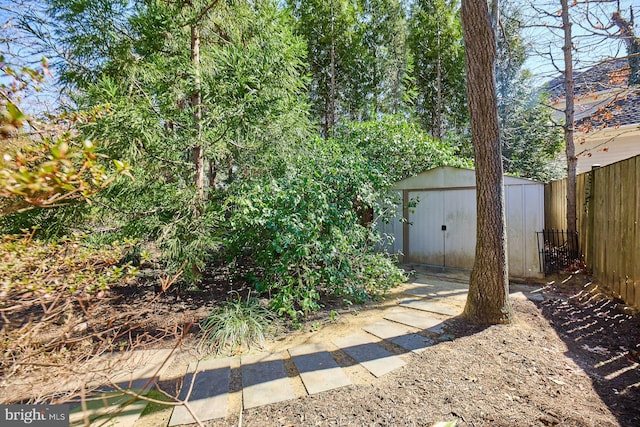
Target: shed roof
{"type": "Point", "coordinates": [444, 177]}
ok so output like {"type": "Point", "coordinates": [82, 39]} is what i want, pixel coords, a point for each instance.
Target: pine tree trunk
{"type": "Point", "coordinates": [570, 149]}
{"type": "Point", "coordinates": [375, 85]}
{"type": "Point", "coordinates": [488, 299]}
{"type": "Point", "coordinates": [396, 91]}
{"type": "Point", "coordinates": [197, 152]}
{"type": "Point", "coordinates": [332, 90]}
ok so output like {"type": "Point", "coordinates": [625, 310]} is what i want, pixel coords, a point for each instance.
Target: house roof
{"type": "Point", "coordinates": [601, 77]}
{"type": "Point", "coordinates": [602, 95]}
{"type": "Point", "coordinates": [622, 110]}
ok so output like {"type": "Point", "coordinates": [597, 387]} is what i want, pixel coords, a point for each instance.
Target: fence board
{"type": "Point", "coordinates": [579, 205]}
{"type": "Point", "coordinates": [636, 228]}
{"type": "Point", "coordinates": [628, 218]}
{"type": "Point", "coordinates": [555, 200]}
{"type": "Point", "coordinates": [608, 208]}
{"type": "Point", "coordinates": [616, 255]}
{"type": "Point", "coordinates": [601, 225]}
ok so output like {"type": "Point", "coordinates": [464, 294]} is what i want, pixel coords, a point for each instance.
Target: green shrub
{"type": "Point", "coordinates": [66, 266]}
{"type": "Point", "coordinates": [301, 237]}
{"type": "Point", "coordinates": [302, 233]}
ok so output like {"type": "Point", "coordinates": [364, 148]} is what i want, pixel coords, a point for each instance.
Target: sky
{"type": "Point", "coordinates": [591, 46]}
{"type": "Point", "coordinates": [544, 41]}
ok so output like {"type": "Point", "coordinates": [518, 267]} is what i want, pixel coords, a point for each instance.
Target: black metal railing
{"type": "Point", "coordinates": [558, 250]}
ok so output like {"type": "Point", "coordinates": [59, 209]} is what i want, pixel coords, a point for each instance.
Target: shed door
{"type": "Point", "coordinates": [442, 228]}
{"type": "Point", "coordinates": [426, 238]}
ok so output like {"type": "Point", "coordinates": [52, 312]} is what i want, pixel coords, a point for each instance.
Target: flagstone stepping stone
{"type": "Point", "coordinates": [111, 408]}
{"type": "Point", "coordinates": [264, 380]}
{"type": "Point", "coordinates": [140, 367]}
{"type": "Point", "coordinates": [415, 319]}
{"type": "Point", "coordinates": [209, 398]}
{"type": "Point", "coordinates": [373, 357]}
{"type": "Point", "coordinates": [431, 306]}
{"type": "Point", "coordinates": [318, 370]}
{"type": "Point", "coordinates": [527, 296]}
{"type": "Point", "coordinates": [136, 372]}
{"type": "Point", "coordinates": [535, 297]}
{"type": "Point", "coordinates": [438, 289]}
{"type": "Point", "coordinates": [398, 335]}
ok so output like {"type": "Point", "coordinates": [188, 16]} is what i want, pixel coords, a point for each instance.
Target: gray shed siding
{"type": "Point", "coordinates": [441, 229]}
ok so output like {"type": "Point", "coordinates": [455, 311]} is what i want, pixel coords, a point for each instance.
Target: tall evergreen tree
{"type": "Point", "coordinates": [334, 49]}
{"type": "Point", "coordinates": [384, 36]}
{"type": "Point", "coordinates": [186, 90]}
{"type": "Point", "coordinates": [435, 40]}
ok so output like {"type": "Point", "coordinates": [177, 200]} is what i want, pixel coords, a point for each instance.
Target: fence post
{"type": "Point", "coordinates": [590, 247]}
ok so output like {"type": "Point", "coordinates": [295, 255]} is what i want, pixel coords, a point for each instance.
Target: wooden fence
{"type": "Point", "coordinates": [608, 208]}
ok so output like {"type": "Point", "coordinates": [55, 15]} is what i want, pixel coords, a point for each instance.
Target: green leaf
{"type": "Point", "coordinates": [16, 115]}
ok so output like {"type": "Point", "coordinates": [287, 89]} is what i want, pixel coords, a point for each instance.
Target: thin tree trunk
{"type": "Point", "coordinates": [633, 45]}
{"type": "Point", "coordinates": [438, 132]}
{"type": "Point", "coordinates": [495, 17]}
{"type": "Point", "coordinates": [570, 149]}
{"type": "Point", "coordinates": [396, 90]}
{"type": "Point", "coordinates": [197, 153]}
{"type": "Point", "coordinates": [488, 298]}
{"type": "Point", "coordinates": [325, 122]}
{"type": "Point", "coordinates": [230, 175]}
{"type": "Point", "coordinates": [213, 173]}
{"type": "Point", "coordinates": [376, 90]}
{"type": "Point", "coordinates": [332, 90]}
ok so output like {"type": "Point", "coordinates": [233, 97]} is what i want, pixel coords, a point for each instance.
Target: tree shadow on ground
{"type": "Point", "coordinates": [603, 338]}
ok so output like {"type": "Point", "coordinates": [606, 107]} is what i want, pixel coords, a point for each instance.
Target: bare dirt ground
{"type": "Point", "coordinates": [570, 360]}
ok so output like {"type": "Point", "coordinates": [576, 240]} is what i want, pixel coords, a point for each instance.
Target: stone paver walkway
{"type": "Point", "coordinates": [415, 319]}
{"type": "Point", "coordinates": [318, 370]}
{"type": "Point", "coordinates": [364, 350]}
{"type": "Point", "coordinates": [399, 336]}
{"type": "Point", "coordinates": [431, 306]}
{"type": "Point", "coordinates": [136, 373]}
{"type": "Point", "coordinates": [264, 380]}
{"type": "Point", "coordinates": [411, 327]}
{"type": "Point", "coordinates": [205, 388]}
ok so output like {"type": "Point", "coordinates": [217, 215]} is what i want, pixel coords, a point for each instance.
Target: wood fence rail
{"type": "Point", "coordinates": [608, 208]}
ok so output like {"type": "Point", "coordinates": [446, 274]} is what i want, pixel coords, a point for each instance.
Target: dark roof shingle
{"type": "Point", "coordinates": [604, 76]}
{"type": "Point", "coordinates": [622, 109]}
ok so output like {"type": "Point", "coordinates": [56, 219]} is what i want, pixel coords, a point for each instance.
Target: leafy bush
{"type": "Point", "coordinates": [395, 148]}
{"type": "Point", "coordinates": [301, 238]}
{"type": "Point", "coordinates": [302, 234]}
{"type": "Point", "coordinates": [47, 165]}
{"type": "Point", "coordinates": [66, 266]}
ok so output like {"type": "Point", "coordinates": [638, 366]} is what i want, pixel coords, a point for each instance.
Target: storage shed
{"type": "Point", "coordinates": [441, 228]}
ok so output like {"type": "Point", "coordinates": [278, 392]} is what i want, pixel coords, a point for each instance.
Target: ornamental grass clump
{"type": "Point", "coordinates": [237, 325]}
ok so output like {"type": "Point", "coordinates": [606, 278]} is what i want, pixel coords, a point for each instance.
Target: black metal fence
{"type": "Point", "coordinates": [558, 250]}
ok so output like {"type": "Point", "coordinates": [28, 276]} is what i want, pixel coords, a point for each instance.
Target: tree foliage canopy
{"type": "Point", "coordinates": [255, 134]}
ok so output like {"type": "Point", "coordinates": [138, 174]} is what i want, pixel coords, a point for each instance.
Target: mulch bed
{"type": "Point", "coordinates": [570, 360]}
